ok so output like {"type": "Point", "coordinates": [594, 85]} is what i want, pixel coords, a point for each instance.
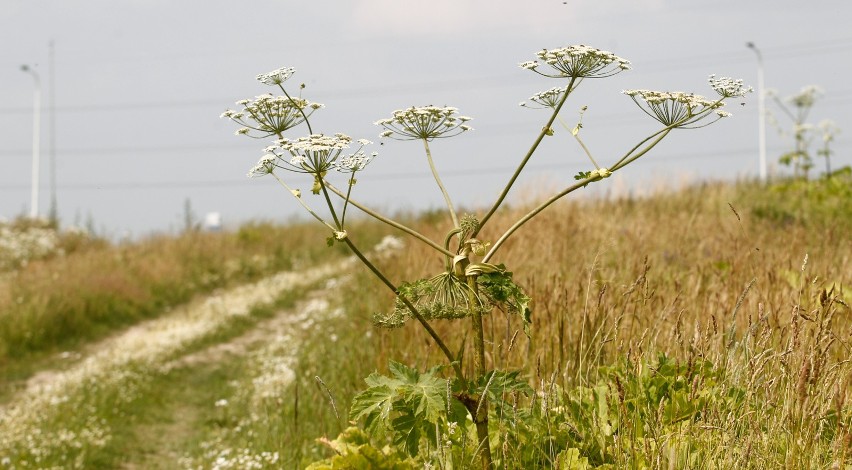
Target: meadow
{"type": "Point", "coordinates": [702, 328]}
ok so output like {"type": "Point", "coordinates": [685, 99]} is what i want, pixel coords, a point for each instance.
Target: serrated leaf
{"type": "Point", "coordinates": [407, 427]}
{"type": "Point", "coordinates": [374, 405]}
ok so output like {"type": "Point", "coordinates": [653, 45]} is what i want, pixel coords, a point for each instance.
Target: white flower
{"type": "Point", "coordinates": [806, 97]}
{"type": "Point", "coordinates": [269, 115]}
{"type": "Point", "coordinates": [277, 76]}
{"type": "Point", "coordinates": [675, 109]}
{"type": "Point", "coordinates": [424, 122]}
{"type": "Point", "coordinates": [221, 403]}
{"type": "Point", "coordinates": [264, 166]}
{"type": "Point", "coordinates": [578, 61]}
{"type": "Point", "coordinates": [728, 87]}
{"type": "Point", "coordinates": [545, 99]}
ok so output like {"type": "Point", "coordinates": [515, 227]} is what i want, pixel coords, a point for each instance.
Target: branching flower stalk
{"type": "Point", "coordinates": [388, 221]}
{"type": "Point", "coordinates": [465, 288]}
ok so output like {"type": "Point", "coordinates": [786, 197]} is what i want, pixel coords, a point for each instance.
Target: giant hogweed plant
{"type": "Point", "coordinates": [434, 415]}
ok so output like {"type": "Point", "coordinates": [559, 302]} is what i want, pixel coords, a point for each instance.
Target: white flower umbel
{"type": "Point", "coordinates": [277, 76]}
{"type": "Point", "coordinates": [424, 122]}
{"type": "Point", "coordinates": [314, 154]}
{"type": "Point", "coordinates": [677, 109]}
{"type": "Point", "coordinates": [578, 61]}
{"type": "Point", "coordinates": [545, 99]}
{"type": "Point", "coordinates": [268, 115]}
{"type": "Point", "coordinates": [806, 97]}
{"type": "Point", "coordinates": [728, 87]}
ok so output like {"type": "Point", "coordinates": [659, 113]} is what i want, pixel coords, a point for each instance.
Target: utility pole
{"type": "Point", "coordinates": [53, 213]}
{"type": "Point", "coordinates": [36, 138]}
{"type": "Point", "coordinates": [761, 111]}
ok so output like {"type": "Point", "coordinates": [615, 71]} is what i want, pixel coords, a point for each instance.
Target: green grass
{"type": "Point", "coordinates": [698, 329]}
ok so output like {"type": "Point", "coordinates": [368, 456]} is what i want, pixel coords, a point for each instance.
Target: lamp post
{"type": "Point", "coordinates": [761, 111]}
{"type": "Point", "coordinates": [36, 138]}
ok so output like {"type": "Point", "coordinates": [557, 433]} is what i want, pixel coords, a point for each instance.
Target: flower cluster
{"type": "Point", "coordinates": [728, 87]}
{"type": "Point", "coordinates": [424, 122]}
{"type": "Point", "coordinates": [676, 108]}
{"type": "Point", "coordinates": [545, 99]}
{"type": "Point", "coordinates": [315, 154]}
{"type": "Point", "coordinates": [806, 97]}
{"type": "Point", "coordinates": [277, 76]}
{"type": "Point", "coordinates": [578, 62]}
{"type": "Point", "coordinates": [269, 115]}
{"type": "Point", "coordinates": [19, 245]}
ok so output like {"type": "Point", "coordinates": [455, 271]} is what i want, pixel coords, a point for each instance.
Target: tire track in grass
{"type": "Point", "coordinates": [192, 399]}
{"type": "Point", "coordinates": [58, 420]}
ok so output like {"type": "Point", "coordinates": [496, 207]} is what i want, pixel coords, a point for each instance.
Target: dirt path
{"type": "Point", "coordinates": [155, 347]}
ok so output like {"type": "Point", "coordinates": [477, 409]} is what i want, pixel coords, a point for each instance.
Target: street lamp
{"type": "Point", "coordinates": [761, 111]}
{"type": "Point", "coordinates": [36, 138]}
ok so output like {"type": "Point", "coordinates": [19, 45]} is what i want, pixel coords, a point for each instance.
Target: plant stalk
{"type": "Point", "coordinates": [526, 158]}
{"type": "Point", "coordinates": [479, 406]}
{"type": "Point", "coordinates": [456, 366]}
{"type": "Point", "coordinates": [453, 215]}
{"type": "Point", "coordinates": [392, 223]}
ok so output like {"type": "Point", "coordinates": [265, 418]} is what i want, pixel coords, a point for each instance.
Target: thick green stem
{"type": "Point", "coordinates": [628, 158]}
{"type": "Point", "coordinates": [533, 213]}
{"type": "Point", "coordinates": [443, 347]}
{"type": "Point", "coordinates": [392, 223]}
{"type": "Point", "coordinates": [544, 132]}
{"type": "Point", "coordinates": [479, 406]}
{"type": "Point", "coordinates": [453, 215]}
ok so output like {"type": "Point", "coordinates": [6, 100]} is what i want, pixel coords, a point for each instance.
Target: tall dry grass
{"type": "Point", "coordinates": [706, 278]}
{"type": "Point", "coordinates": [63, 301]}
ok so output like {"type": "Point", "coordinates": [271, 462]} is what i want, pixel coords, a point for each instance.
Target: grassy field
{"type": "Point", "coordinates": [708, 328]}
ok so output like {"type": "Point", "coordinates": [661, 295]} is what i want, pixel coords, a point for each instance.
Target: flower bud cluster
{"type": "Point", "coordinates": [577, 61]}
{"type": "Point", "coordinates": [269, 115]}
{"type": "Point", "coordinates": [424, 122]}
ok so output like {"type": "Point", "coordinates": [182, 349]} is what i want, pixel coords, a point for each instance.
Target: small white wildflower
{"type": "Point", "coordinates": [728, 87]}
{"type": "Point", "coordinates": [424, 122]}
{"type": "Point", "coordinates": [270, 115]}
{"type": "Point", "coordinates": [675, 109]}
{"type": "Point", "coordinates": [546, 99]}
{"type": "Point", "coordinates": [242, 131]}
{"type": "Point", "coordinates": [221, 403]}
{"type": "Point", "coordinates": [277, 76]}
{"type": "Point", "coordinates": [578, 61]}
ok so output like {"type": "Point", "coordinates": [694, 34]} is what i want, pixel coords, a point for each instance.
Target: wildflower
{"type": "Point", "coordinates": [277, 76]}
{"type": "Point", "coordinates": [424, 122]}
{"type": "Point", "coordinates": [578, 61]}
{"type": "Point", "coordinates": [545, 99]}
{"type": "Point", "coordinates": [315, 154]}
{"type": "Point", "coordinates": [676, 108]}
{"type": "Point", "coordinates": [728, 87]}
{"type": "Point", "coordinates": [221, 403]}
{"type": "Point", "coordinates": [264, 166]}
{"type": "Point", "coordinates": [829, 129]}
{"type": "Point", "coordinates": [806, 97]}
{"type": "Point", "coordinates": [269, 115]}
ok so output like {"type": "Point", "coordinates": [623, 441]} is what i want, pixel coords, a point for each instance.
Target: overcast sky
{"type": "Point", "coordinates": [140, 84]}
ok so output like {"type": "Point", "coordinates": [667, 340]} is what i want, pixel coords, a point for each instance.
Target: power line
{"type": "Point", "coordinates": [425, 174]}
{"type": "Point", "coordinates": [790, 51]}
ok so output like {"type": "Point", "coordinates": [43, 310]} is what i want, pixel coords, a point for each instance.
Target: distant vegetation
{"type": "Point", "coordinates": [705, 328]}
